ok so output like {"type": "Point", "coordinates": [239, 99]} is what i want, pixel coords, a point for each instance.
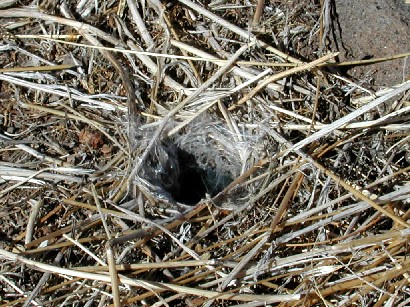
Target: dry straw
{"type": "Point", "coordinates": [164, 154]}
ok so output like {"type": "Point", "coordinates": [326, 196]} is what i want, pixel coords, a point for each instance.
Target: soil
{"type": "Point", "coordinates": [372, 29]}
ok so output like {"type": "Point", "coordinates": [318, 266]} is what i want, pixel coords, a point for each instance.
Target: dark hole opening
{"type": "Point", "coordinates": [194, 181]}
{"type": "Point", "coordinates": [190, 187]}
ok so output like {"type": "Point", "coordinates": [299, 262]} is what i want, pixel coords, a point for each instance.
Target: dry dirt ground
{"type": "Point", "coordinates": [374, 29]}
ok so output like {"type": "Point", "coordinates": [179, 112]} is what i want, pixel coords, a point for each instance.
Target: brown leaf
{"type": "Point", "coordinates": [91, 138]}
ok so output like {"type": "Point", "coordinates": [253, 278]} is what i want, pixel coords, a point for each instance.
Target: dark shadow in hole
{"type": "Point", "coordinates": [190, 187]}
{"type": "Point", "coordinates": [194, 181]}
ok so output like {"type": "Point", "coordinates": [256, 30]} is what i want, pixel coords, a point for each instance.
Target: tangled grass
{"type": "Point", "coordinates": [187, 154]}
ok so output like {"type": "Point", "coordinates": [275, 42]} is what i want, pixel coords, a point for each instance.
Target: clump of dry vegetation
{"type": "Point", "coordinates": [195, 154]}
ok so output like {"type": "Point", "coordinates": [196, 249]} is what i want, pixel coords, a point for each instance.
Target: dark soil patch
{"type": "Point", "coordinates": [374, 29]}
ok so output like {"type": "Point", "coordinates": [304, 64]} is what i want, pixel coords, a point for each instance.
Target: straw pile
{"type": "Point", "coordinates": [186, 154]}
